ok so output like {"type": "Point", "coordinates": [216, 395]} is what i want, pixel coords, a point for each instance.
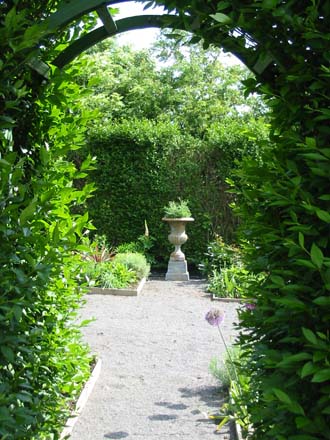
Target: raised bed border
{"type": "Point", "coordinates": [224, 299]}
{"type": "Point", "coordinates": [82, 400]}
{"type": "Point", "coordinates": [131, 291]}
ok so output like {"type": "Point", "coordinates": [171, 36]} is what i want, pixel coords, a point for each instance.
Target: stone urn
{"type": "Point", "coordinates": [177, 266]}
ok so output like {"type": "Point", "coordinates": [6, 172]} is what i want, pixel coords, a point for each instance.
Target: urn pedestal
{"type": "Point", "coordinates": [177, 269]}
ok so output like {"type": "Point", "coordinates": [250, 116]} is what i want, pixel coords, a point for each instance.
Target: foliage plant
{"type": "Point", "coordinates": [43, 361]}
{"type": "Point", "coordinates": [220, 254]}
{"type": "Point", "coordinates": [143, 245]}
{"type": "Point", "coordinates": [112, 269]}
{"type": "Point", "coordinates": [97, 250]}
{"type": "Point", "coordinates": [110, 275]}
{"type": "Point", "coordinates": [135, 262]}
{"type": "Point", "coordinates": [225, 270]}
{"type": "Point", "coordinates": [177, 209]}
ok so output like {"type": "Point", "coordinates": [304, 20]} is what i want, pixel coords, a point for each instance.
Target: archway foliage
{"type": "Point", "coordinates": [285, 206]}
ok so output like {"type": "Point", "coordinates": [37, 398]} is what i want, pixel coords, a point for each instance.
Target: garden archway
{"type": "Point", "coordinates": [286, 204]}
{"type": "Point", "coordinates": [251, 53]}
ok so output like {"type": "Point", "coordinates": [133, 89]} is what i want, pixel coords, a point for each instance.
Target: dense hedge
{"type": "Point", "coordinates": [43, 362]}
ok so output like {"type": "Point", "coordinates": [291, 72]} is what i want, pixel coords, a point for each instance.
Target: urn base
{"type": "Point", "coordinates": [177, 271]}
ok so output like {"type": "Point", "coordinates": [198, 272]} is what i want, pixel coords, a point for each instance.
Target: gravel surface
{"type": "Point", "coordinates": [155, 351]}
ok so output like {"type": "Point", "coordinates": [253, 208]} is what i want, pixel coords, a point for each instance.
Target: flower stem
{"type": "Point", "coordinates": [228, 354]}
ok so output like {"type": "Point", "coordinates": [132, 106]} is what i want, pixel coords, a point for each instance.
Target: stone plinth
{"type": "Point", "coordinates": [177, 271]}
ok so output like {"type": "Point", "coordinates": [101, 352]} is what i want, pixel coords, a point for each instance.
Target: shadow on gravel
{"type": "Point", "coordinates": [162, 417]}
{"type": "Point", "coordinates": [116, 435]}
{"type": "Point", "coordinates": [176, 406]}
{"type": "Point", "coordinates": [211, 395]}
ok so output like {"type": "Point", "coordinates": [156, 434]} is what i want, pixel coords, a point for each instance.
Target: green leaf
{"type": "Point", "coordinates": [307, 369]}
{"type": "Point", "coordinates": [305, 263]}
{"type": "Point", "coordinates": [269, 4]}
{"type": "Point", "coordinates": [221, 18]}
{"type": "Point", "coordinates": [317, 256]}
{"type": "Point", "coordinates": [279, 281]}
{"type": "Point", "coordinates": [8, 353]}
{"type": "Point", "coordinates": [309, 335]}
{"type": "Point", "coordinates": [296, 408]}
{"type": "Point", "coordinates": [301, 239]}
{"type": "Point", "coordinates": [322, 301]}
{"type": "Point", "coordinates": [315, 156]}
{"type": "Point", "coordinates": [325, 197]}
{"type": "Point", "coordinates": [28, 212]}
{"type": "Point", "coordinates": [291, 302]}
{"type": "Point", "coordinates": [322, 376]}
{"type": "Point", "coordinates": [291, 359]}
{"type": "Point", "coordinates": [223, 5]}
{"type": "Point", "coordinates": [302, 421]}
{"type": "Point", "coordinates": [323, 215]}
{"type": "Point", "coordinates": [282, 396]}
{"type": "Point", "coordinates": [310, 142]}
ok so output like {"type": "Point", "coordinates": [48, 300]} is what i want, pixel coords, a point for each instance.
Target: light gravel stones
{"type": "Point", "coordinates": [155, 349]}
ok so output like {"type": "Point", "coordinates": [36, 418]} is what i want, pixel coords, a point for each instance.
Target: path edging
{"type": "Point", "coordinates": [133, 291]}
{"type": "Point", "coordinates": [81, 402]}
{"type": "Point", "coordinates": [224, 299]}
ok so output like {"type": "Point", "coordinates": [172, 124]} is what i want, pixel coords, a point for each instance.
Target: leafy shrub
{"type": "Point", "coordinates": [97, 250]}
{"type": "Point", "coordinates": [219, 255]}
{"type": "Point", "coordinates": [177, 209]}
{"type": "Point", "coordinates": [224, 267]}
{"type": "Point", "coordinates": [43, 361]}
{"type": "Point", "coordinates": [109, 274]}
{"type": "Point", "coordinates": [135, 262]}
{"type": "Point", "coordinates": [142, 245]}
{"type": "Point", "coordinates": [116, 276]}
{"type": "Point", "coordinates": [124, 248]}
{"type": "Point", "coordinates": [233, 282]}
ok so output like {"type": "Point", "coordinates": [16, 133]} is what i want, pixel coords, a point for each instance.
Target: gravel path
{"type": "Point", "coordinates": [155, 351]}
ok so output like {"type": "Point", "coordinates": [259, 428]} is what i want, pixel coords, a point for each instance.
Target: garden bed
{"type": "Point", "coordinates": [128, 291]}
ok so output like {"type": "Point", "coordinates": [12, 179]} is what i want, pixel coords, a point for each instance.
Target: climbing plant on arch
{"type": "Point", "coordinates": [285, 204]}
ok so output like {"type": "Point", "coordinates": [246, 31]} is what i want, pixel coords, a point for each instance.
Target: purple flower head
{"type": "Point", "coordinates": [215, 316]}
{"type": "Point", "coordinates": [250, 306]}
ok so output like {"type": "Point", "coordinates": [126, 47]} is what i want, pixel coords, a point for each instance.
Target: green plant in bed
{"type": "Point", "coordinates": [135, 262]}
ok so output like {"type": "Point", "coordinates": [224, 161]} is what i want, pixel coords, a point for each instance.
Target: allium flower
{"type": "Point", "coordinates": [215, 317]}
{"type": "Point", "coordinates": [250, 306]}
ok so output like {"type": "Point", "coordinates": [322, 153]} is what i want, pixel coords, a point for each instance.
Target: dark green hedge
{"type": "Point", "coordinates": [43, 362]}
